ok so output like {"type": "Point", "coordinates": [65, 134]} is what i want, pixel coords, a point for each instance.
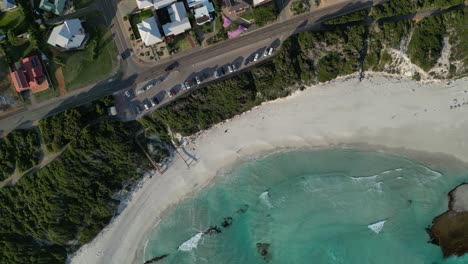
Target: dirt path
{"type": "Point", "coordinates": [60, 81]}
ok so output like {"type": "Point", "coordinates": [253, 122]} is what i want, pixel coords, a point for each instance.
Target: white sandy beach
{"type": "Point", "coordinates": [378, 111]}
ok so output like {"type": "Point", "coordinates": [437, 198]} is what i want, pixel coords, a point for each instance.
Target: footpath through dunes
{"type": "Point", "coordinates": [379, 110]}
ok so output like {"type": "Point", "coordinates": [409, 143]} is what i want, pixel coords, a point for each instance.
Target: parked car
{"type": "Point", "coordinates": [256, 57]}
{"type": "Point", "coordinates": [172, 66]}
{"type": "Point", "coordinates": [173, 91]}
{"type": "Point", "coordinates": [140, 91]}
{"type": "Point", "coordinates": [187, 85]}
{"type": "Point", "coordinates": [234, 68]}
{"type": "Point", "coordinates": [137, 109]}
{"type": "Point", "coordinates": [149, 86]}
{"type": "Point", "coordinates": [197, 79]}
{"type": "Point", "coordinates": [153, 104]}
{"type": "Point", "coordinates": [155, 100]}
{"type": "Point", "coordinates": [145, 105]}
{"type": "Point", "coordinates": [265, 53]}
{"type": "Point", "coordinates": [216, 73]}
{"type": "Point", "coordinates": [169, 94]}
{"type": "Point", "coordinates": [223, 72]}
{"type": "Point", "coordinates": [270, 51]}
{"type": "Point", "coordinates": [229, 68]}
{"type": "Point", "coordinates": [127, 93]}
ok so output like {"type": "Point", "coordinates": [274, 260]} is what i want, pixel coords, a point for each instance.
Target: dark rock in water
{"type": "Point", "coordinates": [227, 222]}
{"type": "Point", "coordinates": [156, 259]}
{"type": "Point", "coordinates": [262, 249]}
{"type": "Point", "coordinates": [450, 230]}
{"type": "Point", "coordinates": [243, 210]}
{"type": "Point", "coordinates": [212, 230]}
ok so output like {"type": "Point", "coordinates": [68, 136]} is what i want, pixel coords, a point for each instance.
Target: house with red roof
{"type": "Point", "coordinates": [29, 75]}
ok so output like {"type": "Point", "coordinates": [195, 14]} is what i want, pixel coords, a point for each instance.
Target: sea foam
{"type": "Point", "coordinates": [191, 243]}
{"type": "Point", "coordinates": [265, 197]}
{"type": "Point", "coordinates": [377, 227]}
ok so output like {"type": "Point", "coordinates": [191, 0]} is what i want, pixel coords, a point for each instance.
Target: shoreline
{"type": "Point", "coordinates": [381, 112]}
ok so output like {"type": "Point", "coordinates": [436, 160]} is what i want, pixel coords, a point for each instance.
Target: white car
{"type": "Point", "coordinates": [146, 106]}
{"type": "Point", "coordinates": [169, 94]}
{"type": "Point", "coordinates": [152, 103]}
{"type": "Point", "coordinates": [256, 57]}
{"type": "Point", "coordinates": [127, 93]}
{"type": "Point", "coordinates": [197, 79]}
{"type": "Point", "coordinates": [149, 86]}
{"type": "Point", "coordinates": [216, 74]}
{"type": "Point", "coordinates": [140, 91]}
{"type": "Point", "coordinates": [234, 68]}
{"type": "Point", "coordinates": [265, 53]}
{"type": "Point", "coordinates": [182, 86]}
{"type": "Point", "coordinates": [270, 51]}
{"type": "Point", "coordinates": [230, 69]}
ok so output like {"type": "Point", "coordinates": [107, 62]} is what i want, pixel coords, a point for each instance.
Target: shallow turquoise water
{"type": "Point", "coordinates": [312, 207]}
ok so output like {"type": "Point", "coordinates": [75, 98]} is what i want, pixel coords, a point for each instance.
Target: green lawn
{"type": "Point", "coordinates": [265, 14]}
{"type": "Point", "coordinates": [179, 43]}
{"type": "Point", "coordinates": [45, 95]}
{"type": "Point", "coordinates": [135, 19]}
{"type": "Point", "coordinates": [80, 70]}
{"type": "Point", "coordinates": [248, 16]}
{"type": "Point", "coordinates": [13, 20]}
{"type": "Point", "coordinates": [6, 87]}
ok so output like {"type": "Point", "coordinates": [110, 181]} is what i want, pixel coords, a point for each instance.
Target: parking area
{"type": "Point", "coordinates": [181, 79]}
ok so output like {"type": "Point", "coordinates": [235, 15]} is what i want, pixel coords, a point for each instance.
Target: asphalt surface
{"type": "Point", "coordinates": [196, 62]}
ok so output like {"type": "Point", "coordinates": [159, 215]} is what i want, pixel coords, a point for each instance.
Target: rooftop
{"type": "Point", "coordinates": [149, 31]}
{"type": "Point", "coordinates": [69, 35]}
{"type": "Point", "coordinates": [180, 22]}
{"type": "Point", "coordinates": [53, 6]}
{"type": "Point", "coordinates": [29, 76]}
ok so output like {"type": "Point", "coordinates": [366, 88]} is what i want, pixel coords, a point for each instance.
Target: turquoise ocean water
{"type": "Point", "coordinates": [324, 206]}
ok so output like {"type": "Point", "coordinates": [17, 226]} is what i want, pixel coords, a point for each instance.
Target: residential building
{"type": "Point", "coordinates": [202, 10]}
{"type": "Point", "coordinates": [162, 3]}
{"type": "Point", "coordinates": [53, 6]}
{"type": "Point", "coordinates": [259, 2]}
{"type": "Point", "coordinates": [179, 20]}
{"type": "Point", "coordinates": [156, 4]}
{"type": "Point", "coordinates": [235, 7]}
{"type": "Point", "coordinates": [149, 31]}
{"type": "Point", "coordinates": [69, 35]}
{"type": "Point", "coordinates": [29, 75]}
{"type": "Point", "coordinates": [7, 5]}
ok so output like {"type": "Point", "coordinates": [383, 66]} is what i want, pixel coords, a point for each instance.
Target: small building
{"type": "Point", "coordinates": [53, 6]}
{"type": "Point", "coordinates": [69, 35]}
{"type": "Point", "coordinates": [156, 4]}
{"type": "Point", "coordinates": [144, 4]}
{"type": "Point", "coordinates": [202, 10]}
{"type": "Point", "coordinates": [235, 7]}
{"type": "Point", "coordinates": [7, 5]}
{"type": "Point", "coordinates": [149, 31]}
{"type": "Point", "coordinates": [29, 75]}
{"type": "Point", "coordinates": [179, 20]}
{"type": "Point", "coordinates": [259, 2]}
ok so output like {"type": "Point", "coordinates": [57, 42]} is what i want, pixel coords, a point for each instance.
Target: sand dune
{"type": "Point", "coordinates": [377, 111]}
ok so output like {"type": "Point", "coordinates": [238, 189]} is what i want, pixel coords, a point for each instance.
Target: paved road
{"type": "Point", "coordinates": [198, 59]}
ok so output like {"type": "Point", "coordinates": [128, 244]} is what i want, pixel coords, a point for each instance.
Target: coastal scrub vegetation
{"type": "Point", "coordinates": [404, 7]}
{"type": "Point", "coordinates": [53, 211]}
{"type": "Point", "coordinates": [19, 150]}
{"type": "Point", "coordinates": [353, 17]}
{"type": "Point", "coordinates": [64, 205]}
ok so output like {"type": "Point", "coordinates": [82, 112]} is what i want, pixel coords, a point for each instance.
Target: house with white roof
{"type": "Point", "coordinates": [202, 10]}
{"type": "Point", "coordinates": [157, 4]}
{"type": "Point", "coordinates": [179, 20]}
{"type": "Point", "coordinates": [69, 35]}
{"type": "Point", "coordinates": [144, 4]}
{"type": "Point", "coordinates": [149, 31]}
